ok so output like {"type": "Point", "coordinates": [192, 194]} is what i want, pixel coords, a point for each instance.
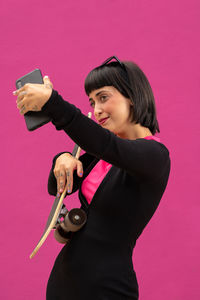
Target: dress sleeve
{"type": "Point", "coordinates": [141, 158]}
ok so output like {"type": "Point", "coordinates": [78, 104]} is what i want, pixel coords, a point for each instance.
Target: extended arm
{"type": "Point", "coordinates": [143, 159]}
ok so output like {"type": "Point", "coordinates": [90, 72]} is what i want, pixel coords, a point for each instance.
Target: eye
{"type": "Point", "coordinates": [92, 103]}
{"type": "Point", "coordinates": [103, 98]}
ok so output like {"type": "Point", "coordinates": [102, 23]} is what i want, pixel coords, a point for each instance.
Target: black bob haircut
{"type": "Point", "coordinates": [132, 83]}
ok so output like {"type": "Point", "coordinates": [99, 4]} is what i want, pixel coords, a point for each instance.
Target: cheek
{"type": "Point", "coordinates": [117, 109]}
{"type": "Point", "coordinates": [109, 108]}
{"type": "Point", "coordinates": [124, 111]}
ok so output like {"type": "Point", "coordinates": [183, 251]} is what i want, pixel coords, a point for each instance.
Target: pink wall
{"type": "Point", "coordinates": [66, 39]}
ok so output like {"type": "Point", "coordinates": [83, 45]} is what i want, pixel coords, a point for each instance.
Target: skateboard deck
{"type": "Point", "coordinates": [56, 208]}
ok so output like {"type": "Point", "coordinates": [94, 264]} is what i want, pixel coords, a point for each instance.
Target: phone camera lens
{"type": "Point", "coordinates": [19, 84]}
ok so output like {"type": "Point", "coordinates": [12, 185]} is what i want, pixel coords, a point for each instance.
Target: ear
{"type": "Point", "coordinates": [131, 103]}
{"type": "Point", "coordinates": [131, 115]}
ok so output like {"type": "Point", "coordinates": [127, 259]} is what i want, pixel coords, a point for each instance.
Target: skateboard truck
{"type": "Point", "coordinates": [61, 215]}
{"type": "Point", "coordinates": [73, 221]}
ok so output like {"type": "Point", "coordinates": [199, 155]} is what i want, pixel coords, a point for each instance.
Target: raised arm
{"type": "Point", "coordinates": [143, 159]}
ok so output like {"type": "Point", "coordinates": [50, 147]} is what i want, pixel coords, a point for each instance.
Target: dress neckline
{"type": "Point", "coordinates": [152, 137]}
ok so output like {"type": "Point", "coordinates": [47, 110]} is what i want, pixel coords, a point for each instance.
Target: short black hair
{"type": "Point", "coordinates": [132, 83]}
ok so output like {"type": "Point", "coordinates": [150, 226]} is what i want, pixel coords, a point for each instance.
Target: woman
{"type": "Point", "coordinates": [121, 178]}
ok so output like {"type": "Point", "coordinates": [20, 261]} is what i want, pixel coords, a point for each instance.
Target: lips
{"type": "Point", "coordinates": [101, 121]}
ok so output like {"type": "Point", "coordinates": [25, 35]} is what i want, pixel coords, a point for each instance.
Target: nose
{"type": "Point", "coordinates": [98, 109]}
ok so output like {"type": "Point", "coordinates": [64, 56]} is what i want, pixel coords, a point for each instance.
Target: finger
{"type": "Point", "coordinates": [21, 96]}
{"type": "Point", "coordinates": [23, 88]}
{"type": "Point", "coordinates": [47, 82]}
{"type": "Point", "coordinates": [69, 180]}
{"type": "Point", "coordinates": [56, 174]}
{"type": "Point", "coordinates": [61, 179]}
{"type": "Point", "coordinates": [23, 110]}
{"type": "Point", "coordinates": [23, 107]}
{"type": "Point", "coordinates": [79, 169]}
{"type": "Point", "coordinates": [21, 103]}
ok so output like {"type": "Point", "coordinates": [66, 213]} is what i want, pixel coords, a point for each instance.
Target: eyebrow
{"type": "Point", "coordinates": [97, 94]}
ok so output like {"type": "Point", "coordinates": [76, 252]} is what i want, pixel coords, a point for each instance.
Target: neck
{"type": "Point", "coordinates": [135, 131]}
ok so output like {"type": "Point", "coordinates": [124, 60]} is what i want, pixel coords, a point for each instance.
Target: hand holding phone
{"type": "Point", "coordinates": [33, 119]}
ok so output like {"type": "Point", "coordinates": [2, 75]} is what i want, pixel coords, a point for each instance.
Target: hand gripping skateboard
{"type": "Point", "coordinates": [73, 219]}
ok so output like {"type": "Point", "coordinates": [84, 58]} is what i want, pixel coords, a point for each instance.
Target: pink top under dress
{"type": "Point", "coordinates": [91, 183]}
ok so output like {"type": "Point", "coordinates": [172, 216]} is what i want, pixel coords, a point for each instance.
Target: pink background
{"type": "Point", "coordinates": [66, 39]}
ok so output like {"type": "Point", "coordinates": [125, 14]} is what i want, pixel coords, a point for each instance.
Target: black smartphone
{"type": "Point", "coordinates": [33, 119]}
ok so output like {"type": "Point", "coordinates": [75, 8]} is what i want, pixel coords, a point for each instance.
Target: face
{"type": "Point", "coordinates": [111, 109]}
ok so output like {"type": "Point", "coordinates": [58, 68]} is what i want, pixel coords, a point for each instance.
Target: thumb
{"type": "Point", "coordinates": [47, 82]}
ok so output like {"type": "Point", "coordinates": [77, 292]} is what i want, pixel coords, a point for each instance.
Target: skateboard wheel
{"type": "Point", "coordinates": [61, 235]}
{"type": "Point", "coordinates": [75, 219]}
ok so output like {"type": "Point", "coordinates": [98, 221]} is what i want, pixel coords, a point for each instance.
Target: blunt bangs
{"type": "Point", "coordinates": [111, 75]}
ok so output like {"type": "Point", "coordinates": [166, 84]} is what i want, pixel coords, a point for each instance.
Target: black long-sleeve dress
{"type": "Point", "coordinates": [97, 262]}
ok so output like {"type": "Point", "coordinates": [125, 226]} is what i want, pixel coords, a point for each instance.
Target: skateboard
{"type": "Point", "coordinates": [64, 222]}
